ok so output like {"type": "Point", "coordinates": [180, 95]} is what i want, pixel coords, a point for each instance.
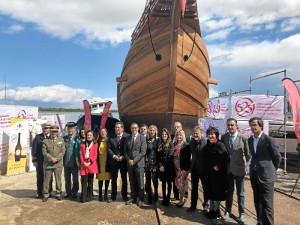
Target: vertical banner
{"type": "Point", "coordinates": [6, 113]}
{"type": "Point", "coordinates": [18, 146]}
{"type": "Point", "coordinates": [294, 99]}
{"type": "Point", "coordinates": [87, 115]}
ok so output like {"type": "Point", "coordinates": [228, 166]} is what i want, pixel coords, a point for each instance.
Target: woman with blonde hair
{"type": "Point", "coordinates": [151, 164]}
{"type": "Point", "coordinates": [104, 165]}
{"type": "Point", "coordinates": [182, 165]}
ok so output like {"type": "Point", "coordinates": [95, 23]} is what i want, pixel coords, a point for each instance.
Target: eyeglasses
{"type": "Point", "coordinates": [230, 125]}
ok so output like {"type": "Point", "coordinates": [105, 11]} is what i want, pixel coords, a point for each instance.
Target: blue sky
{"type": "Point", "coordinates": [56, 53]}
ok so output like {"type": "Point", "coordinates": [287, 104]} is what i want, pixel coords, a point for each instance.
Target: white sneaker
{"type": "Point", "coordinates": [226, 216]}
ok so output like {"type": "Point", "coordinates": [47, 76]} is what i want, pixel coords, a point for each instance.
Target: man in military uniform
{"type": "Point", "coordinates": [72, 143]}
{"type": "Point", "coordinates": [53, 151]}
{"type": "Point", "coordinates": [38, 159]}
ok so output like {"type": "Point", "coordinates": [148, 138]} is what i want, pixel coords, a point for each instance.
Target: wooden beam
{"type": "Point", "coordinates": [122, 78]}
{"type": "Point", "coordinates": [212, 81]}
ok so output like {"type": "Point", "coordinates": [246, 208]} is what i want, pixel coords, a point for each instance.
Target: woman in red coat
{"type": "Point", "coordinates": [88, 166]}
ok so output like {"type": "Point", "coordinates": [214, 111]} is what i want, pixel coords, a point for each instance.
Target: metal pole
{"type": "Point", "coordinates": [284, 105]}
{"type": "Point", "coordinates": [250, 86]}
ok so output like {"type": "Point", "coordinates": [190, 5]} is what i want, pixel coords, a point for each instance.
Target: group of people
{"type": "Point", "coordinates": [149, 156]}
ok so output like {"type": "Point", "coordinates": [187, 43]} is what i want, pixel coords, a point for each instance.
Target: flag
{"type": "Point", "coordinates": [87, 115]}
{"type": "Point", "coordinates": [182, 7]}
{"type": "Point", "coordinates": [104, 117]}
{"type": "Point", "coordinates": [294, 99]}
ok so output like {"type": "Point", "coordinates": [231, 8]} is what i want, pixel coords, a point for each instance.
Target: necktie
{"type": "Point", "coordinates": [119, 139]}
{"type": "Point", "coordinates": [231, 141]}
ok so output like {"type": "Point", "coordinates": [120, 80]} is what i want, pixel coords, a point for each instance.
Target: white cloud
{"type": "Point", "coordinates": [96, 20]}
{"type": "Point", "coordinates": [263, 54]}
{"type": "Point", "coordinates": [246, 15]}
{"type": "Point", "coordinates": [290, 24]}
{"type": "Point", "coordinates": [242, 60]}
{"type": "Point", "coordinates": [213, 92]}
{"type": "Point", "coordinates": [219, 35]}
{"type": "Point", "coordinates": [55, 93]}
{"type": "Point", "coordinates": [15, 28]}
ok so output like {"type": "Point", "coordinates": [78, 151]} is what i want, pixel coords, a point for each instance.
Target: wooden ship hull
{"type": "Point", "coordinates": [166, 73]}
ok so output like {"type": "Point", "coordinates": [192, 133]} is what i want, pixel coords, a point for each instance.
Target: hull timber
{"type": "Point", "coordinates": [172, 89]}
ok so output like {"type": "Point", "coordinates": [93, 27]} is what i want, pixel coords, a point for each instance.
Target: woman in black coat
{"type": "Point", "coordinates": [216, 159]}
{"type": "Point", "coordinates": [166, 166]}
{"type": "Point", "coordinates": [151, 164]}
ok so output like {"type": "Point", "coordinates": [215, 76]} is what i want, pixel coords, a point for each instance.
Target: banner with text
{"type": "Point", "coordinates": [264, 106]}
{"type": "Point", "coordinates": [243, 126]}
{"type": "Point", "coordinates": [18, 146]}
{"type": "Point", "coordinates": [6, 113]}
{"type": "Point", "coordinates": [218, 108]}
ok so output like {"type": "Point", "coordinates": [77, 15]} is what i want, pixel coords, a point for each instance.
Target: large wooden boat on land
{"type": "Point", "coordinates": [166, 73]}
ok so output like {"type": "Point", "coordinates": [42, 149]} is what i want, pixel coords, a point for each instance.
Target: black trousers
{"type": "Point", "coordinates": [151, 175]}
{"type": "Point", "coordinates": [87, 188]}
{"type": "Point", "coordinates": [40, 179]}
{"type": "Point", "coordinates": [164, 187]}
{"type": "Point", "coordinates": [115, 167]}
{"type": "Point", "coordinates": [195, 177]}
{"type": "Point", "coordinates": [71, 174]}
{"type": "Point", "coordinates": [175, 191]}
{"type": "Point", "coordinates": [263, 200]}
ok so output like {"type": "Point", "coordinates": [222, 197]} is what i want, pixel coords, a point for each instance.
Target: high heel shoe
{"type": "Point", "coordinates": [180, 205]}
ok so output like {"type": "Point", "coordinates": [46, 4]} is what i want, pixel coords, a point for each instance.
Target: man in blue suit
{"type": "Point", "coordinates": [264, 164]}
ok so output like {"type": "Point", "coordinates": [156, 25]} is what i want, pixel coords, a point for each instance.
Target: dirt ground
{"type": "Point", "coordinates": [19, 206]}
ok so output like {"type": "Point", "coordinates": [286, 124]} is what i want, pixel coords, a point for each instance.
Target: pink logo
{"type": "Point", "coordinates": [22, 114]}
{"type": "Point", "coordinates": [214, 109]}
{"type": "Point", "coordinates": [244, 107]}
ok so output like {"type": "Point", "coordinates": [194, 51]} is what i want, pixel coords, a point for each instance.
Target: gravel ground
{"type": "Point", "coordinates": [19, 206]}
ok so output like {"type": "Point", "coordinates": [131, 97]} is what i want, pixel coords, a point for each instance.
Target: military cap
{"type": "Point", "coordinates": [54, 128]}
{"type": "Point", "coordinates": [46, 126]}
{"type": "Point", "coordinates": [70, 125]}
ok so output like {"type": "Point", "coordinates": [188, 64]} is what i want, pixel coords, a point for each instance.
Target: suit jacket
{"type": "Point", "coordinates": [239, 154]}
{"type": "Point", "coordinates": [53, 148]}
{"type": "Point", "coordinates": [117, 148]}
{"type": "Point", "coordinates": [196, 150]}
{"type": "Point", "coordinates": [266, 160]}
{"type": "Point", "coordinates": [37, 149]}
{"type": "Point", "coordinates": [136, 150]}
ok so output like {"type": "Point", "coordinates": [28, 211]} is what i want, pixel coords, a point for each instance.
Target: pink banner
{"type": "Point", "coordinates": [104, 117]}
{"type": "Point", "coordinates": [294, 99]}
{"type": "Point", "coordinates": [182, 7]}
{"type": "Point", "coordinates": [267, 107]}
{"type": "Point", "coordinates": [87, 115]}
{"type": "Point", "coordinates": [105, 114]}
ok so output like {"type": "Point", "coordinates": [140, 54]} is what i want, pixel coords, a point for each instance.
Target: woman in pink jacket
{"type": "Point", "coordinates": [88, 166]}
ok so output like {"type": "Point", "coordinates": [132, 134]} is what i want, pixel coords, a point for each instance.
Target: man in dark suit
{"type": "Point", "coordinates": [38, 159]}
{"type": "Point", "coordinates": [135, 151]}
{"type": "Point", "coordinates": [264, 164]}
{"type": "Point", "coordinates": [196, 168]}
{"type": "Point", "coordinates": [238, 150]}
{"type": "Point", "coordinates": [118, 161]}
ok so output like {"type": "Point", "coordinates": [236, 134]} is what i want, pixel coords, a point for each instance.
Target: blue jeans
{"type": "Point", "coordinates": [239, 182]}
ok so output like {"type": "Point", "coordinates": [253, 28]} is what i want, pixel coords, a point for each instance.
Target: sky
{"type": "Point", "coordinates": [57, 53]}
